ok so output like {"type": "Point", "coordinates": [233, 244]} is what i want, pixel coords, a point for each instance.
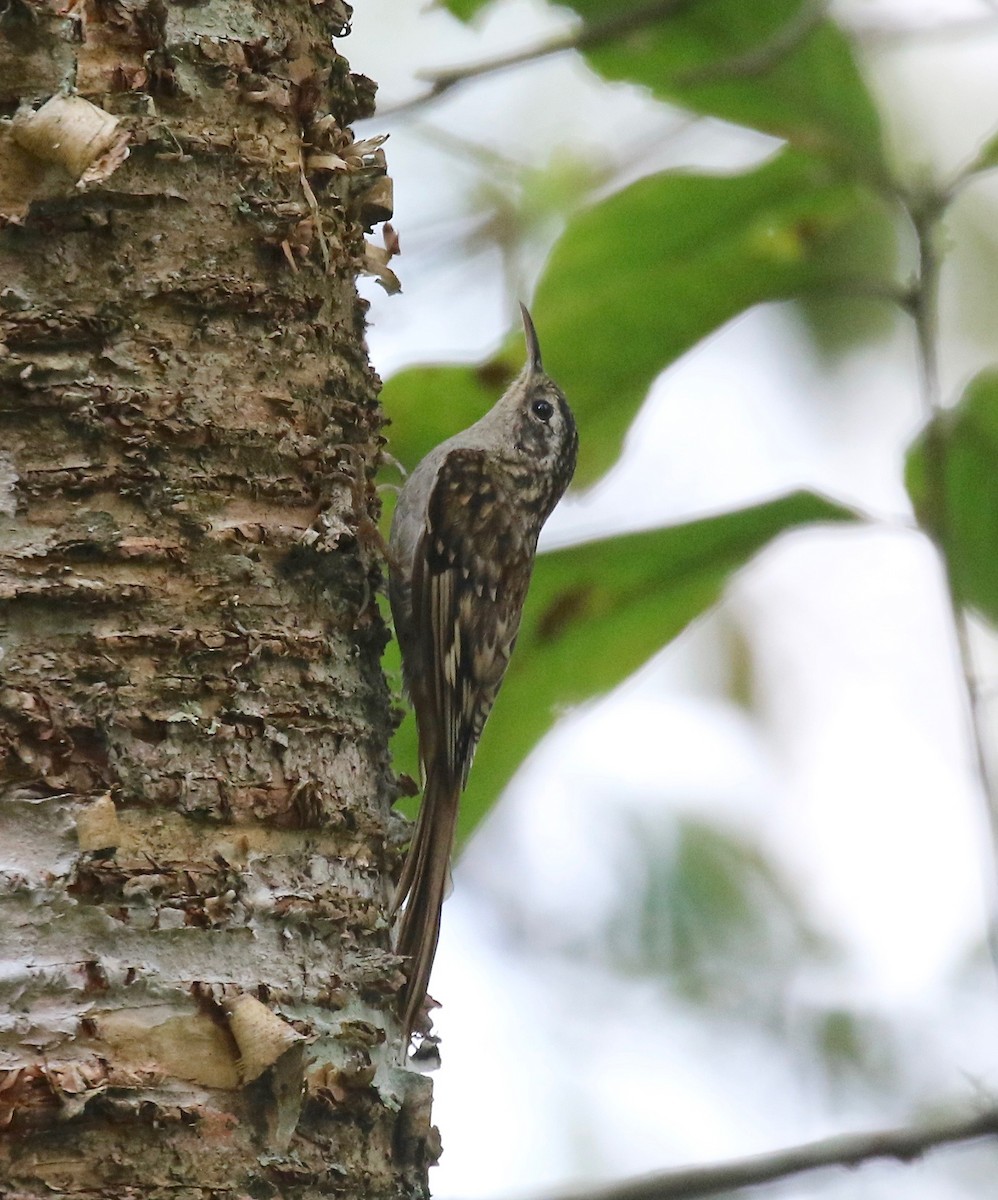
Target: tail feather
{"type": "Point", "coordinates": [417, 844]}
{"type": "Point", "coordinates": [422, 887]}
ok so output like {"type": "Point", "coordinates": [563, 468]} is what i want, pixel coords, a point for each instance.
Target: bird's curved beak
{"type": "Point", "coordinates": [533, 345]}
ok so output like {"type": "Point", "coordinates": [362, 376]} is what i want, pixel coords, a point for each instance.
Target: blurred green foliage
{"type": "Point", "coordinates": [676, 256]}
{"type": "Point", "coordinates": [775, 65]}
{"type": "Point", "coordinates": [952, 478]}
{"type": "Point", "coordinates": [780, 66]}
{"type": "Point", "coordinates": [710, 902]}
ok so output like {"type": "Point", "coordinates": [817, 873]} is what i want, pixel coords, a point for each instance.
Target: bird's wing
{"type": "Point", "coordinates": [469, 584]}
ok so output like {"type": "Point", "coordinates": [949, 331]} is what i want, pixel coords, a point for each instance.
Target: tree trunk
{"type": "Point", "coordinates": [196, 984]}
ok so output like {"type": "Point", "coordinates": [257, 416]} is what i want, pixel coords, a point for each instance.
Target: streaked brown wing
{"type": "Point", "coordinates": [469, 586]}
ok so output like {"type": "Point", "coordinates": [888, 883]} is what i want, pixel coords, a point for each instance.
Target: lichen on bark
{"type": "Point", "coordinates": [195, 829]}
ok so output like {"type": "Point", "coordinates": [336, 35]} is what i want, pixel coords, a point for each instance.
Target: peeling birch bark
{"type": "Point", "coordinates": [70, 131]}
{"type": "Point", "coordinates": [196, 983]}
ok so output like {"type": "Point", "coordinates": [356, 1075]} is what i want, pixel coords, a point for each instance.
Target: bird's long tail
{"type": "Point", "coordinates": [421, 888]}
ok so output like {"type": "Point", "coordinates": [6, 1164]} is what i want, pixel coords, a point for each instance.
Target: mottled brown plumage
{"type": "Point", "coordinates": [462, 548]}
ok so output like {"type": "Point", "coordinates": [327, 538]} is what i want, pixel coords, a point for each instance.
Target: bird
{"type": "Point", "coordinates": [460, 556]}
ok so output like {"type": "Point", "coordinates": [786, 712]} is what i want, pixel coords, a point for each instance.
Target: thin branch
{"type": "Point", "coordinates": [757, 60]}
{"type": "Point", "coordinates": [582, 38]}
{"type": "Point", "coordinates": [925, 215]}
{"type": "Point", "coordinates": [754, 61]}
{"type": "Point", "coordinates": [859, 287]}
{"type": "Point", "coordinates": [846, 1150]}
{"type": "Point", "coordinates": [888, 34]}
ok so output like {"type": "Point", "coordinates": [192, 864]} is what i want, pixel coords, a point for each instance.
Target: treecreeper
{"type": "Point", "coordinates": [461, 554]}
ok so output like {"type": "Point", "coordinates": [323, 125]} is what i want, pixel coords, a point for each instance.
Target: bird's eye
{"type": "Point", "coordinates": [542, 409]}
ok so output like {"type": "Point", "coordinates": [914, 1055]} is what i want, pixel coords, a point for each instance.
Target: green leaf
{"type": "Point", "coordinates": [987, 157]}
{"type": "Point", "coordinates": [596, 612]}
{"type": "Point", "coordinates": [773, 65]}
{"type": "Point", "coordinates": [863, 249]}
{"type": "Point", "coordinates": [952, 478]}
{"type": "Point", "coordinates": [465, 9]}
{"type": "Point", "coordinates": [640, 278]}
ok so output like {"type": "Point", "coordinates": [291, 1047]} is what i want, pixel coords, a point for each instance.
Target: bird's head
{"type": "Point", "coordinates": [535, 422]}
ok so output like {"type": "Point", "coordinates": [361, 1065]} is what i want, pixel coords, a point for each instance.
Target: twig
{"type": "Point", "coordinates": [752, 62]}
{"type": "Point", "coordinates": [582, 38]}
{"type": "Point", "coordinates": [757, 60]}
{"type": "Point", "coordinates": [859, 287]}
{"type": "Point", "coordinates": [925, 214]}
{"type": "Point", "coordinates": [845, 1150]}
{"type": "Point", "coordinates": [887, 34]}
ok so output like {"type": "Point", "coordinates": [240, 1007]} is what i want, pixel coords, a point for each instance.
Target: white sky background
{"type": "Point", "coordinates": [854, 772]}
